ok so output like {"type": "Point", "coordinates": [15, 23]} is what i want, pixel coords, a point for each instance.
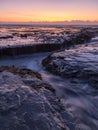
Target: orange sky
{"type": "Point", "coordinates": [48, 10]}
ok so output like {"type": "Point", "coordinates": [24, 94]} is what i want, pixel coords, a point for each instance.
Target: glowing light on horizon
{"type": "Point", "coordinates": [48, 10]}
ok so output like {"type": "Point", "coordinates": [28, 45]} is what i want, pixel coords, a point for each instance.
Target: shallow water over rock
{"type": "Point", "coordinates": [75, 83]}
{"type": "Point", "coordinates": [79, 66]}
{"type": "Point", "coordinates": [27, 102]}
{"type": "Point", "coordinates": [78, 97]}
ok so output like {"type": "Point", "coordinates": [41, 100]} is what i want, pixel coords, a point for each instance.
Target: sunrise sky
{"type": "Point", "coordinates": [48, 10]}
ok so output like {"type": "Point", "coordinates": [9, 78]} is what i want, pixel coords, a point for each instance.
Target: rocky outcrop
{"type": "Point", "coordinates": [28, 49]}
{"type": "Point", "coordinates": [28, 103]}
{"type": "Point", "coordinates": [81, 37]}
{"type": "Point", "coordinates": [80, 62]}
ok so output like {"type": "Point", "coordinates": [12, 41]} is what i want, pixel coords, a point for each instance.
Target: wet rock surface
{"type": "Point", "coordinates": [69, 103]}
{"type": "Point", "coordinates": [81, 37]}
{"type": "Point", "coordinates": [50, 42]}
{"type": "Point", "coordinates": [28, 103]}
{"type": "Point", "coordinates": [79, 62]}
{"type": "Point", "coordinates": [11, 35]}
{"type": "Point", "coordinates": [79, 66]}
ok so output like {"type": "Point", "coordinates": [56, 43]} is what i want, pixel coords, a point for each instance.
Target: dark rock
{"type": "Point", "coordinates": [21, 71]}
{"type": "Point", "coordinates": [81, 63]}
{"type": "Point", "coordinates": [6, 37]}
{"type": "Point", "coordinates": [28, 103]}
{"type": "Point", "coordinates": [81, 37]}
{"type": "Point", "coordinates": [23, 35]}
{"type": "Point", "coordinates": [36, 84]}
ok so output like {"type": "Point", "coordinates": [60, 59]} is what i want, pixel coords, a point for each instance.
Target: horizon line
{"type": "Point", "coordinates": [72, 22]}
{"type": "Point", "coordinates": [95, 21]}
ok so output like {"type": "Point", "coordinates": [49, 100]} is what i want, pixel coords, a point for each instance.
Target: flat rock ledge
{"type": "Point", "coordinates": [28, 103]}
{"type": "Point", "coordinates": [77, 63]}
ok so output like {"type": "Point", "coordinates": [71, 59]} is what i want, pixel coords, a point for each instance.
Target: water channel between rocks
{"type": "Point", "coordinates": [77, 97]}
